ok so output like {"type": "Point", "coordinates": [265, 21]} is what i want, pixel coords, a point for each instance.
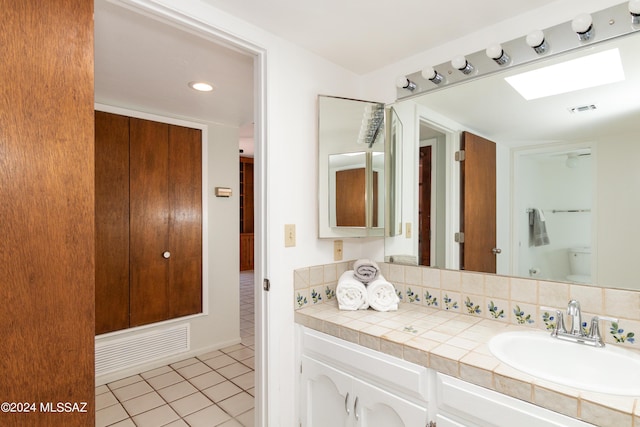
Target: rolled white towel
{"type": "Point", "coordinates": [351, 293]}
{"type": "Point", "coordinates": [365, 270]}
{"type": "Point", "coordinates": [382, 295]}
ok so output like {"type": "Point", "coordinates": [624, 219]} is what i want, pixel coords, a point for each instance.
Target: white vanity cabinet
{"type": "Point", "coordinates": [462, 404]}
{"type": "Point", "coordinates": [343, 384]}
{"type": "Point", "coordinates": [346, 385]}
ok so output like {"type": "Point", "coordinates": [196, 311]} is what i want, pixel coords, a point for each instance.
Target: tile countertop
{"type": "Point", "coordinates": [456, 344]}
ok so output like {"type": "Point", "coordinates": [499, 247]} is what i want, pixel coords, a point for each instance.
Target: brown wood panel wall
{"type": "Point", "coordinates": [149, 220]}
{"type": "Point", "coordinates": [185, 221]}
{"type": "Point", "coordinates": [247, 242]}
{"type": "Point", "coordinates": [149, 201]}
{"type": "Point", "coordinates": [47, 211]}
{"type": "Point", "coordinates": [112, 222]}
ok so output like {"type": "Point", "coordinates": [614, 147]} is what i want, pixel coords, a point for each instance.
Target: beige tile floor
{"type": "Point", "coordinates": [214, 389]}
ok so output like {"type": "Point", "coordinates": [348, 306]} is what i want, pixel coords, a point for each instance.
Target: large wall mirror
{"type": "Point", "coordinates": [351, 168]}
{"type": "Point", "coordinates": [565, 166]}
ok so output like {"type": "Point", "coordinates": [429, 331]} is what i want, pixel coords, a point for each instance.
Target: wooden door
{"type": "Point", "coordinates": [424, 206]}
{"type": "Point", "coordinates": [112, 222]}
{"type": "Point", "coordinates": [185, 221]}
{"type": "Point", "coordinates": [478, 204]}
{"type": "Point", "coordinates": [47, 248]}
{"type": "Point", "coordinates": [247, 209]}
{"type": "Point", "coordinates": [351, 200]}
{"type": "Point", "coordinates": [149, 221]}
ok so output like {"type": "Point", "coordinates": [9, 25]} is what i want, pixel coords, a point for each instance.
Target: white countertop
{"type": "Point", "coordinates": [456, 344]}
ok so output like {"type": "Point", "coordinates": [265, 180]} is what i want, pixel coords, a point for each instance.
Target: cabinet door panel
{"type": "Point", "coordinates": [327, 400]}
{"type": "Point", "coordinates": [443, 420]}
{"type": "Point", "coordinates": [379, 408]}
{"type": "Point", "coordinates": [185, 221]}
{"type": "Point", "coordinates": [149, 218]}
{"type": "Point", "coordinates": [112, 221]}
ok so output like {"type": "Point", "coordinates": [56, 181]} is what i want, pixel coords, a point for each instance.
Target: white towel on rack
{"type": "Point", "coordinates": [382, 295]}
{"type": "Point", "coordinates": [351, 293]}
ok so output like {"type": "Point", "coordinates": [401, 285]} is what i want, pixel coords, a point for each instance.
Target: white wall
{"type": "Point", "coordinates": [294, 79]}
{"type": "Point", "coordinates": [618, 206]}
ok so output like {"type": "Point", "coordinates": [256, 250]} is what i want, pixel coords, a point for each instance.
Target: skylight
{"type": "Point", "coordinates": [585, 72]}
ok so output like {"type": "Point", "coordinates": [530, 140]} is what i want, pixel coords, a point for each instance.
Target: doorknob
{"type": "Point", "coordinates": [496, 251]}
{"type": "Point", "coordinates": [166, 254]}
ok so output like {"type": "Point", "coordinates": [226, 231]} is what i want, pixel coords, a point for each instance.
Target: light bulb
{"type": "Point", "coordinates": [201, 86]}
{"type": "Point", "coordinates": [583, 26]}
{"type": "Point", "coordinates": [460, 63]}
{"type": "Point", "coordinates": [572, 161]}
{"type": "Point", "coordinates": [431, 74]}
{"type": "Point", "coordinates": [404, 83]}
{"type": "Point", "coordinates": [634, 10]}
{"type": "Point", "coordinates": [536, 40]}
{"type": "Point", "coordinates": [496, 53]}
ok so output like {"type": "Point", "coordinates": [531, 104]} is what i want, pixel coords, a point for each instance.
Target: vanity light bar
{"type": "Point", "coordinates": [585, 29]}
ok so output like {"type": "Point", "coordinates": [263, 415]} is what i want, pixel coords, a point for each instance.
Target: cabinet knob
{"type": "Point", "coordinates": [166, 255]}
{"type": "Point", "coordinates": [496, 251]}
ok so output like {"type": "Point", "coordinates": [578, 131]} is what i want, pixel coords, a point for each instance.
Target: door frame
{"type": "Point", "coordinates": [452, 184]}
{"type": "Point", "coordinates": [216, 35]}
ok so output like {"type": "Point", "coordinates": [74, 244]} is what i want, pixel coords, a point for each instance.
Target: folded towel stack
{"type": "Point", "coordinates": [365, 270]}
{"type": "Point", "coordinates": [351, 293]}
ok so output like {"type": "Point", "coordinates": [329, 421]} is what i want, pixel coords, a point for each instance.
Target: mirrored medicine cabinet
{"type": "Point", "coordinates": [358, 156]}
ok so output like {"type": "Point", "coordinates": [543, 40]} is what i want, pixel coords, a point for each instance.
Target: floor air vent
{"type": "Point", "coordinates": [126, 352]}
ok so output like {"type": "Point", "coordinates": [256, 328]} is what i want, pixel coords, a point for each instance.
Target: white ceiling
{"type": "Point", "coordinates": [365, 35]}
{"type": "Point", "coordinates": [145, 65]}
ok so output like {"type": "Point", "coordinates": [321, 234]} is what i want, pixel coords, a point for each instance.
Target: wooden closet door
{"type": "Point", "coordinates": [351, 208]}
{"type": "Point", "coordinates": [149, 221]}
{"type": "Point", "coordinates": [112, 222]}
{"type": "Point", "coordinates": [47, 272]}
{"type": "Point", "coordinates": [185, 221]}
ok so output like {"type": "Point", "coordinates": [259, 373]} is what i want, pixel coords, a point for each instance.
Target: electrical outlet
{"type": "Point", "coordinates": [289, 235]}
{"type": "Point", "coordinates": [337, 250]}
{"type": "Point", "coordinates": [408, 230]}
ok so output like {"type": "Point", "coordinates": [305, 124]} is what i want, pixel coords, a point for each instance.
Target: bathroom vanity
{"type": "Point", "coordinates": [382, 369]}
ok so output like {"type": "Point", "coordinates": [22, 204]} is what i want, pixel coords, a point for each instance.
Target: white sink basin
{"type": "Point", "coordinates": [606, 370]}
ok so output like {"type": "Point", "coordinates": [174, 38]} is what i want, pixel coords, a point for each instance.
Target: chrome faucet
{"type": "Point", "coordinates": [577, 333]}
{"type": "Point", "coordinates": [573, 310]}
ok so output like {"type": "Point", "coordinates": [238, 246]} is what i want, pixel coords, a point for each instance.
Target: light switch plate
{"type": "Point", "coordinates": [337, 250]}
{"type": "Point", "coordinates": [289, 235]}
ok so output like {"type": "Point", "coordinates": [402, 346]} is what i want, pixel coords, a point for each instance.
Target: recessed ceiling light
{"type": "Point", "coordinates": [589, 71]}
{"type": "Point", "coordinates": [201, 86]}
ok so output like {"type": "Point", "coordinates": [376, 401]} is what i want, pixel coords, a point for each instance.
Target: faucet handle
{"type": "Point", "coordinates": [594, 329]}
{"type": "Point", "coordinates": [607, 318]}
{"type": "Point", "coordinates": [559, 329]}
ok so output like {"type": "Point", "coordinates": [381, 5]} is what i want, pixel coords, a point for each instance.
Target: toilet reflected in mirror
{"type": "Point", "coordinates": [579, 264]}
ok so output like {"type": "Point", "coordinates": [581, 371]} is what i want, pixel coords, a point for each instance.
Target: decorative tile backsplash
{"type": "Point", "coordinates": [505, 299]}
